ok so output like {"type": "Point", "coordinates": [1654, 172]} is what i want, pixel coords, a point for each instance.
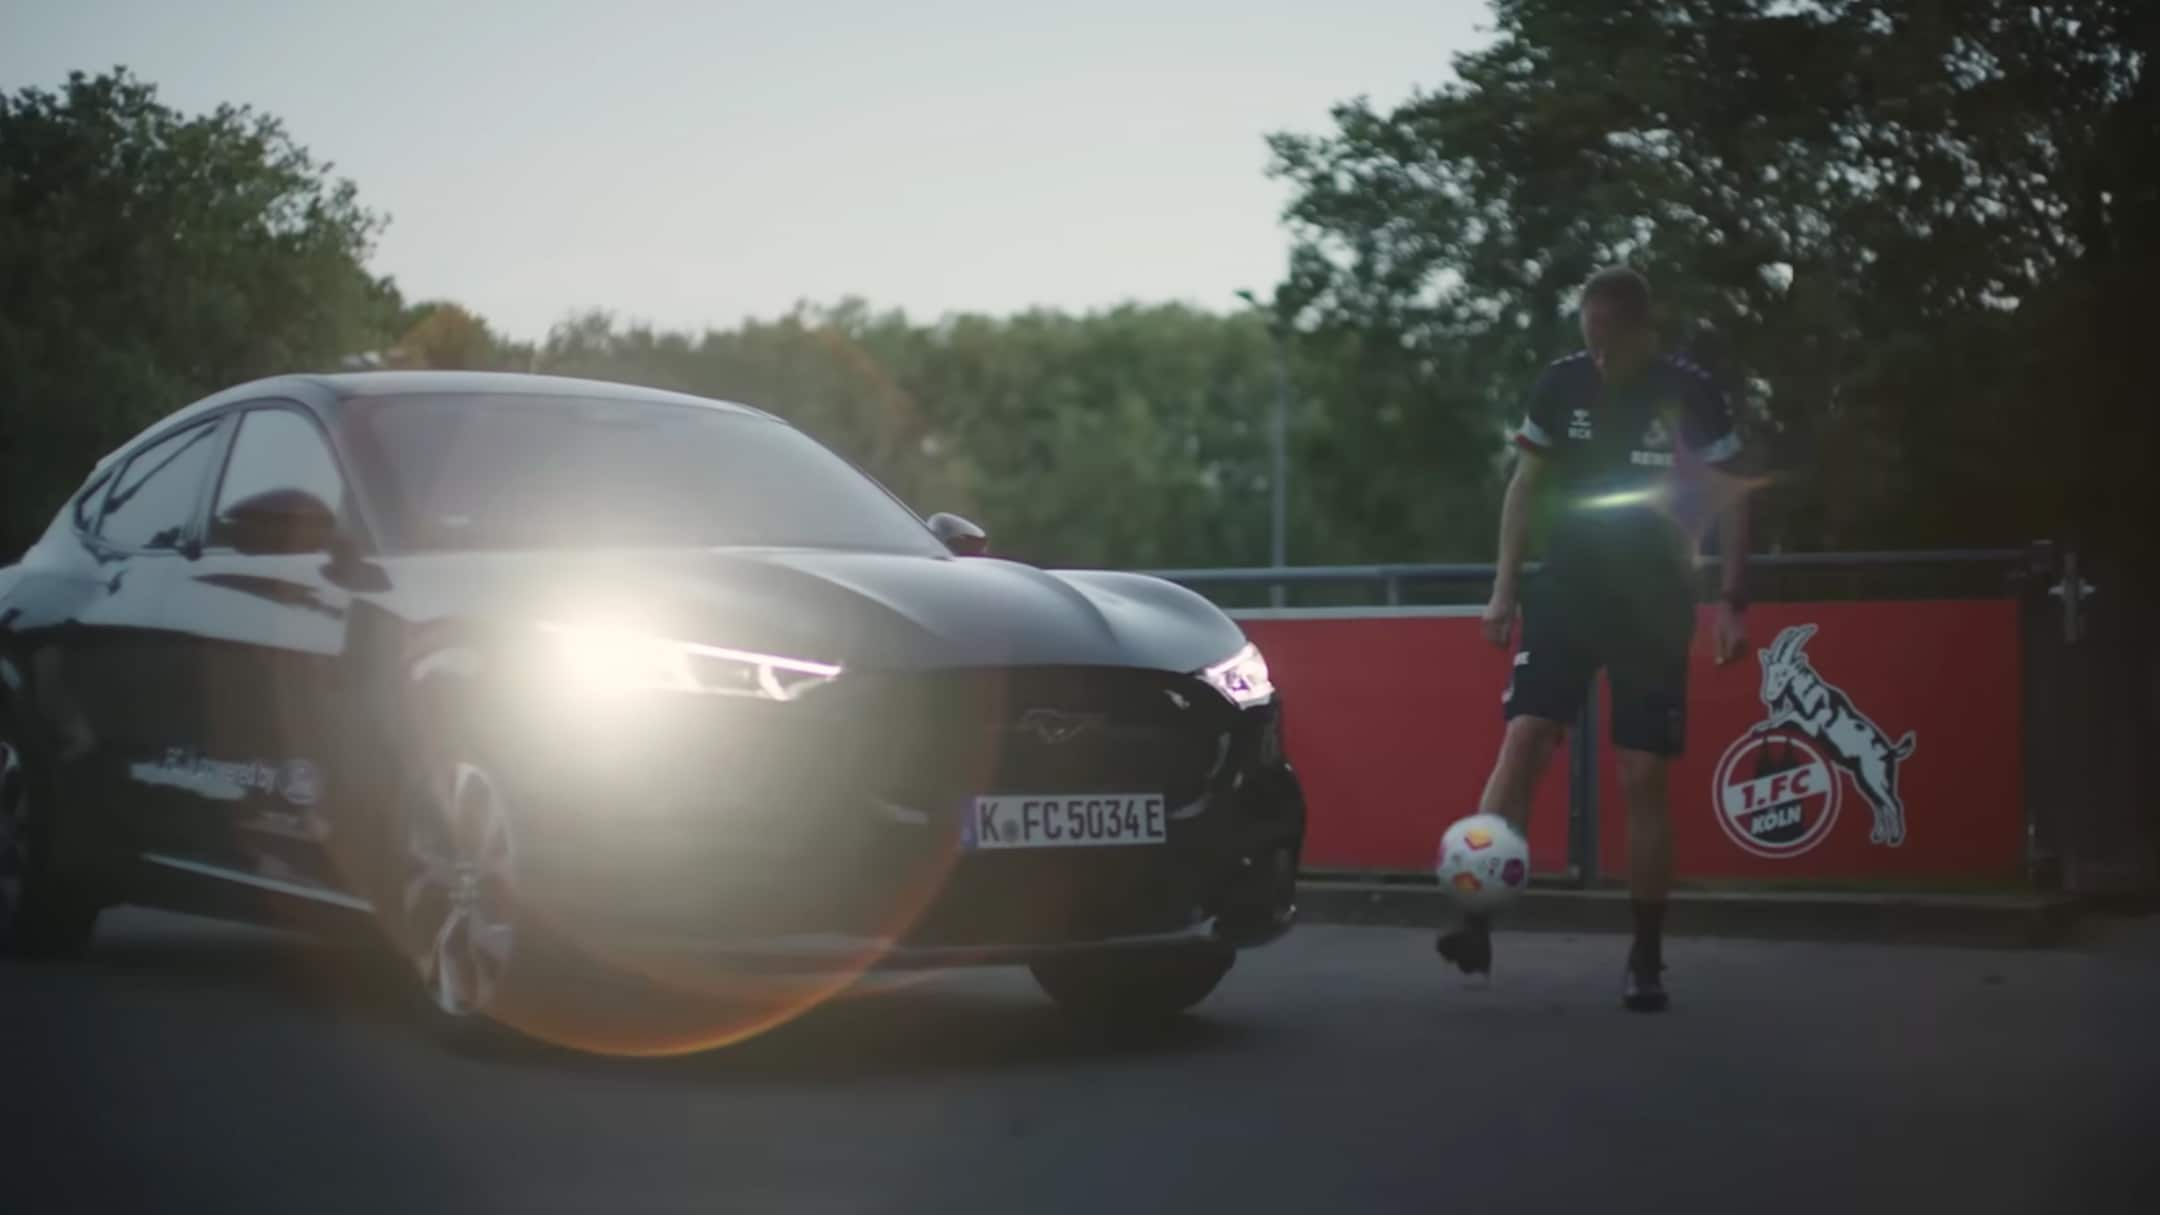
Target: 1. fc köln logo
{"type": "Point", "coordinates": [1778, 788]}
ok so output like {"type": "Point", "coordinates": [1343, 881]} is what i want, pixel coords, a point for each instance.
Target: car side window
{"type": "Point", "coordinates": [152, 505]}
{"type": "Point", "coordinates": [91, 500]}
{"type": "Point", "coordinates": [275, 449]}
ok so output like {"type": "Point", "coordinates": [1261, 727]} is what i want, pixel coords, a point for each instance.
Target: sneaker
{"type": "Point", "coordinates": [1468, 947]}
{"type": "Point", "coordinates": [1643, 990]}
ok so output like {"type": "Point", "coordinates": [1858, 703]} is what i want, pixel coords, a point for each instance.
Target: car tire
{"type": "Point", "coordinates": [45, 913]}
{"type": "Point", "coordinates": [447, 902]}
{"type": "Point", "coordinates": [1133, 990]}
{"type": "Point", "coordinates": [454, 977]}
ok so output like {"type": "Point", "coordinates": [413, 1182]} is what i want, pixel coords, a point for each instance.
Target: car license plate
{"type": "Point", "coordinates": [1091, 821]}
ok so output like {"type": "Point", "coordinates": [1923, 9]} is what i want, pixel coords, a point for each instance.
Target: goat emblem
{"type": "Point", "coordinates": [1800, 701]}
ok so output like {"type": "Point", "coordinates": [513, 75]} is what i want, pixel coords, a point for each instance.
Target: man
{"type": "Point", "coordinates": [1617, 473]}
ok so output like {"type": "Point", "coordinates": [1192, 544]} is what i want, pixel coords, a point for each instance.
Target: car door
{"type": "Point", "coordinates": [121, 664]}
{"type": "Point", "coordinates": [268, 630]}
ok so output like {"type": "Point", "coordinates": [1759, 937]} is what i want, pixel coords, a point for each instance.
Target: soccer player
{"type": "Point", "coordinates": [1617, 475]}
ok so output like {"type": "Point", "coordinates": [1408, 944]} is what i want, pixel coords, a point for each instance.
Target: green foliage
{"type": "Point", "coordinates": [154, 257]}
{"type": "Point", "coordinates": [150, 258]}
{"type": "Point", "coordinates": [1859, 213]}
{"type": "Point", "coordinates": [440, 334]}
{"type": "Point", "coordinates": [1915, 240]}
{"type": "Point", "coordinates": [1132, 436]}
{"type": "Point", "coordinates": [1137, 436]}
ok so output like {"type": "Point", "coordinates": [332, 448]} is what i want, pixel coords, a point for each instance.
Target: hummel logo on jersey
{"type": "Point", "coordinates": [1578, 427]}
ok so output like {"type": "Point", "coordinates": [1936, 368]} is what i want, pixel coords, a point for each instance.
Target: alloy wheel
{"type": "Point", "coordinates": [458, 898]}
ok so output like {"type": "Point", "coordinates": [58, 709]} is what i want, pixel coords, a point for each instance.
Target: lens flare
{"type": "Point", "coordinates": [594, 993]}
{"type": "Point", "coordinates": [1629, 497]}
{"type": "Point", "coordinates": [1719, 491]}
{"type": "Point", "coordinates": [1692, 500]}
{"type": "Point", "coordinates": [595, 660]}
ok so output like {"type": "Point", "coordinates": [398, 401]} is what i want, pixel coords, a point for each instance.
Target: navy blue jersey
{"type": "Point", "coordinates": [1610, 501]}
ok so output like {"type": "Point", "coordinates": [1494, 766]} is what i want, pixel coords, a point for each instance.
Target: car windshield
{"type": "Point", "coordinates": [452, 473]}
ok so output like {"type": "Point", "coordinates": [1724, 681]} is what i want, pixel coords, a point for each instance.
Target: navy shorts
{"type": "Point", "coordinates": [1637, 631]}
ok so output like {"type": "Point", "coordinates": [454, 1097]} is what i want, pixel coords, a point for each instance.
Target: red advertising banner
{"type": "Point", "coordinates": [1393, 723]}
{"type": "Point", "coordinates": [1853, 740]}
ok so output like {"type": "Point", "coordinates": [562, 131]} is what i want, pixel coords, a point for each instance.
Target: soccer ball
{"type": "Point", "coordinates": [1484, 862]}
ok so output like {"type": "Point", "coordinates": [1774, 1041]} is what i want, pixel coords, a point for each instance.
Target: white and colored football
{"type": "Point", "coordinates": [1484, 862]}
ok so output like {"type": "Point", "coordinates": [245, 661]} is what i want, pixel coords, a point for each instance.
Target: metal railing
{"type": "Point", "coordinates": [1393, 579]}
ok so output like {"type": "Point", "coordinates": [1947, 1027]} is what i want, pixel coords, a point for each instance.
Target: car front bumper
{"type": "Point", "coordinates": [793, 850]}
{"type": "Point", "coordinates": [886, 897]}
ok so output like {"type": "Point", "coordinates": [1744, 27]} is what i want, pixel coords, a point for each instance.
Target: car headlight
{"type": "Point", "coordinates": [1242, 677]}
{"type": "Point", "coordinates": [596, 659]}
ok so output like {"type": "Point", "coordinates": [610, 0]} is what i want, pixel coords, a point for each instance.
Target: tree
{"type": "Point", "coordinates": [1852, 208]}
{"type": "Point", "coordinates": [831, 372]}
{"type": "Point", "coordinates": [1132, 436]}
{"type": "Point", "coordinates": [441, 335]}
{"type": "Point", "coordinates": [151, 257]}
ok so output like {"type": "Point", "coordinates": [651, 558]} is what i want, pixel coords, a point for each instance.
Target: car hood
{"type": "Point", "coordinates": [856, 608]}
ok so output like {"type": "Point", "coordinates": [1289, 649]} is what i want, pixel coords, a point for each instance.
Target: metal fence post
{"type": "Point", "coordinates": [2042, 664]}
{"type": "Point", "coordinates": [1583, 794]}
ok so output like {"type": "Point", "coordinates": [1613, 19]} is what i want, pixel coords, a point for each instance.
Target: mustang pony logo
{"type": "Point", "coordinates": [1055, 727]}
{"type": "Point", "coordinates": [1803, 702]}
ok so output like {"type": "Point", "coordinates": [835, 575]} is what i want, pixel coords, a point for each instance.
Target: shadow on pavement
{"type": "Point", "coordinates": [940, 1023]}
{"type": "Point", "coordinates": [917, 1031]}
{"type": "Point", "coordinates": [289, 969]}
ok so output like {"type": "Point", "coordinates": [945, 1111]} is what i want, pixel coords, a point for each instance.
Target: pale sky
{"type": "Point", "coordinates": [691, 164]}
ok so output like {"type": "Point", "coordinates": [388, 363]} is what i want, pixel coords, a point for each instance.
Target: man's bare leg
{"type": "Point", "coordinates": [1526, 751]}
{"type": "Point", "coordinates": [1643, 781]}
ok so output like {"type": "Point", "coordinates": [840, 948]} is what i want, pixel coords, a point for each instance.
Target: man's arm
{"type": "Point", "coordinates": [1514, 543]}
{"type": "Point", "coordinates": [1712, 439]}
{"type": "Point", "coordinates": [1732, 542]}
{"type": "Point", "coordinates": [1534, 440]}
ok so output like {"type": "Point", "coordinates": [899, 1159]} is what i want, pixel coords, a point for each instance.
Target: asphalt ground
{"type": "Point", "coordinates": [187, 1065]}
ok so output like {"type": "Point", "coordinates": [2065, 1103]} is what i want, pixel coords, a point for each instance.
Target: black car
{"type": "Point", "coordinates": [530, 669]}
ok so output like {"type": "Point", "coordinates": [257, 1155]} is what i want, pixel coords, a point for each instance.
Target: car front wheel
{"type": "Point", "coordinates": [455, 895]}
{"type": "Point", "coordinates": [1134, 989]}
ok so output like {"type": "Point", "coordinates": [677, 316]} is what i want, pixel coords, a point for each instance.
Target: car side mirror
{"type": "Point", "coordinates": [957, 534]}
{"type": "Point", "coordinates": [278, 521]}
